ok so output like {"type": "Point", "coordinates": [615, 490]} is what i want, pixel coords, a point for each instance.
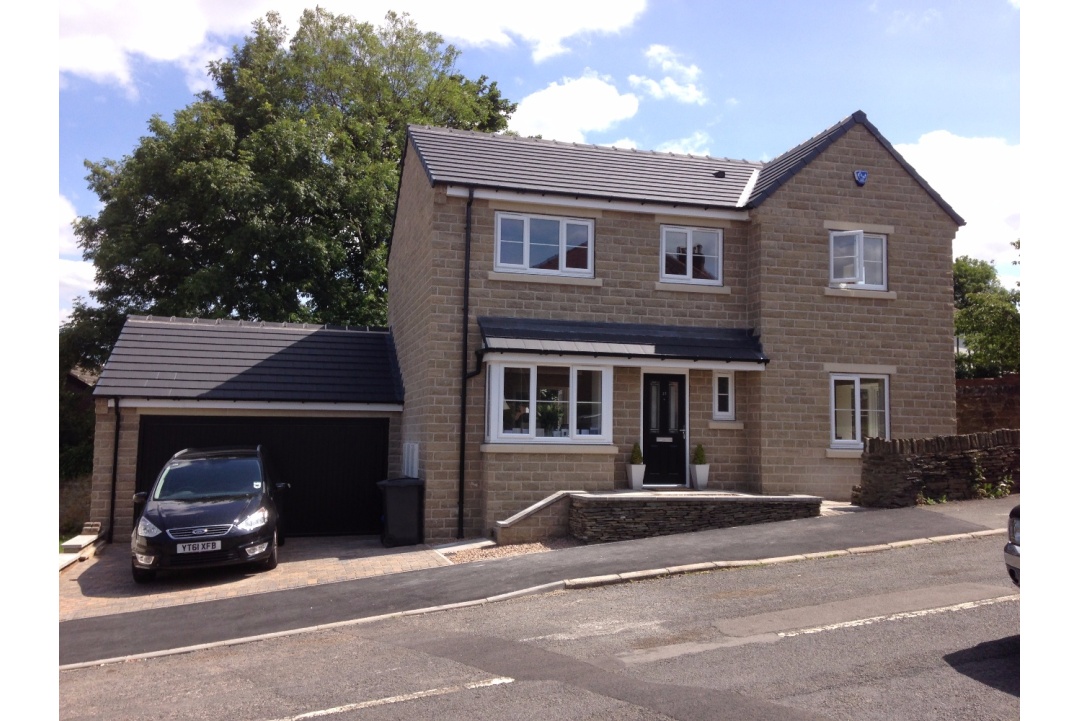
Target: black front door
{"type": "Point", "coordinates": [664, 423]}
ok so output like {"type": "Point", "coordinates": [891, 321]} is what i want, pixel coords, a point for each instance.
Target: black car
{"type": "Point", "coordinates": [1012, 548]}
{"type": "Point", "coordinates": [209, 507]}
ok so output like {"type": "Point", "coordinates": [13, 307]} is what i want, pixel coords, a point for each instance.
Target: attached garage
{"type": "Point", "coordinates": [323, 402]}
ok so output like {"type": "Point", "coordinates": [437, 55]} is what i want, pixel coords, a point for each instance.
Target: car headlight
{"type": "Point", "coordinates": [147, 529]}
{"type": "Point", "coordinates": [257, 519]}
{"type": "Point", "coordinates": [1014, 531]}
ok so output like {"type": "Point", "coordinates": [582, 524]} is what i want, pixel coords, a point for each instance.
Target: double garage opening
{"type": "Point", "coordinates": [331, 464]}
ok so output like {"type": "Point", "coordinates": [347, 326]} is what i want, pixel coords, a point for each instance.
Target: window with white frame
{"type": "Point", "coordinates": [692, 255]}
{"type": "Point", "coordinates": [859, 259]}
{"type": "Point", "coordinates": [723, 396]}
{"type": "Point", "coordinates": [860, 409]}
{"type": "Point", "coordinates": [543, 244]}
{"type": "Point", "coordinates": [549, 403]}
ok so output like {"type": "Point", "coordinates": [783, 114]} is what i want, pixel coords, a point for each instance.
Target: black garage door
{"type": "Point", "coordinates": [332, 464]}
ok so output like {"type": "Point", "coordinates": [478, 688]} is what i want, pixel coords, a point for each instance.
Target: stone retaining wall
{"type": "Point", "coordinates": [904, 472]}
{"type": "Point", "coordinates": [605, 518]}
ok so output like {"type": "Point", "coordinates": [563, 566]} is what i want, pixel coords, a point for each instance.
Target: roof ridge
{"type": "Point", "coordinates": [253, 324]}
{"type": "Point", "coordinates": [503, 137]}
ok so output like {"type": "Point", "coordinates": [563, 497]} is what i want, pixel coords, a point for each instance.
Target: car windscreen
{"type": "Point", "coordinates": [209, 478]}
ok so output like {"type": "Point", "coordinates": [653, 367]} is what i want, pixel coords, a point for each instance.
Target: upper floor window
{"type": "Point", "coordinates": [857, 258]}
{"type": "Point", "coordinates": [723, 396]}
{"type": "Point", "coordinates": [543, 244]}
{"type": "Point", "coordinates": [860, 409]}
{"type": "Point", "coordinates": [692, 255]}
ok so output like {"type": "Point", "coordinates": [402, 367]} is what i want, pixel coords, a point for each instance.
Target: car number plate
{"type": "Point", "coordinates": [198, 547]}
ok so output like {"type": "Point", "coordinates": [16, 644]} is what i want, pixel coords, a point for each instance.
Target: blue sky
{"type": "Point", "coordinates": [939, 78]}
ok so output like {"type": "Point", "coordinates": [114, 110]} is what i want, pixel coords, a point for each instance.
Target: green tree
{"type": "Point", "coordinates": [272, 198]}
{"type": "Point", "coordinates": [987, 317]}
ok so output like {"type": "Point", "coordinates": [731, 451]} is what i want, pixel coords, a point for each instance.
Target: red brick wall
{"type": "Point", "coordinates": [987, 404]}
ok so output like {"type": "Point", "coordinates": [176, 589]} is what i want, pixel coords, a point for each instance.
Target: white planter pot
{"type": "Point", "coordinates": [635, 474]}
{"type": "Point", "coordinates": [700, 476]}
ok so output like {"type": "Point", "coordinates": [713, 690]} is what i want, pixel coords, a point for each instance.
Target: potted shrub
{"type": "Point", "coordinates": [699, 468]}
{"type": "Point", "coordinates": [635, 469]}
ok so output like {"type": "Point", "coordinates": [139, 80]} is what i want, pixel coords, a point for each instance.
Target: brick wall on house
{"type": "Point", "coordinates": [987, 404]}
{"type": "Point", "coordinates": [127, 458]}
{"type": "Point", "coordinates": [807, 331]}
{"type": "Point", "coordinates": [515, 481]}
{"type": "Point", "coordinates": [426, 280]}
{"type": "Point", "coordinates": [897, 472]}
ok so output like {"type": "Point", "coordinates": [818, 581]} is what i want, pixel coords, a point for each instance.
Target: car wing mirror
{"type": "Point", "coordinates": [140, 498]}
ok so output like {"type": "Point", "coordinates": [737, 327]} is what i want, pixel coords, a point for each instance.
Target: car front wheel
{"type": "Point", "coordinates": [142, 575]}
{"type": "Point", "coordinates": [271, 561]}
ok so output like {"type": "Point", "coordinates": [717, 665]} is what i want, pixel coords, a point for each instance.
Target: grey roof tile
{"type": "Point", "coordinates": [571, 337]}
{"type": "Point", "coordinates": [198, 359]}
{"type": "Point", "coordinates": [505, 162]}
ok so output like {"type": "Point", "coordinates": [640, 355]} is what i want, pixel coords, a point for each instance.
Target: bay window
{"type": "Point", "coordinates": [549, 403]}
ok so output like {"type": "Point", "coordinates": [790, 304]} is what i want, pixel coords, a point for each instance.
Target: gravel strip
{"type": "Point", "coordinates": [515, 549]}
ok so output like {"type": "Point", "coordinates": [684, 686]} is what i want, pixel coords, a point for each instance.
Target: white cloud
{"type": "Point", "coordinates": [695, 144]}
{"type": "Point", "coordinates": [76, 275]}
{"type": "Point", "coordinates": [901, 21]}
{"type": "Point", "coordinates": [68, 244]}
{"type": "Point", "coordinates": [678, 83]}
{"type": "Point", "coordinates": [545, 28]}
{"type": "Point", "coordinates": [981, 179]}
{"type": "Point", "coordinates": [99, 39]}
{"type": "Point", "coordinates": [76, 279]}
{"type": "Point", "coordinates": [568, 109]}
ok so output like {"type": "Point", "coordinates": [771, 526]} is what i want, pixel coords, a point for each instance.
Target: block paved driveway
{"type": "Point", "coordinates": [102, 585]}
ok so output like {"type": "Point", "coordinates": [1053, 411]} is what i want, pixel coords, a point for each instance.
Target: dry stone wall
{"type": "Point", "coordinates": [602, 519]}
{"type": "Point", "coordinates": [907, 471]}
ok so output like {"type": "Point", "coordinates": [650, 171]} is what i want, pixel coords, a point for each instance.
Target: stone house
{"type": "Point", "coordinates": [552, 304]}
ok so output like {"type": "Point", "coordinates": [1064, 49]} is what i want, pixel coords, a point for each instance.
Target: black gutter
{"type": "Point", "coordinates": [115, 460]}
{"type": "Point", "coordinates": [545, 192]}
{"type": "Point", "coordinates": [464, 369]}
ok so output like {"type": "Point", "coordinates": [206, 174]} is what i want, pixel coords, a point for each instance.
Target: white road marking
{"type": "Point", "coordinates": [899, 616]}
{"type": "Point", "coordinates": [652, 655]}
{"type": "Point", "coordinates": [398, 699]}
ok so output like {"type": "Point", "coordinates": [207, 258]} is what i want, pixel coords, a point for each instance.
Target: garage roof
{"type": "Point", "coordinates": [627, 340]}
{"type": "Point", "coordinates": [230, 360]}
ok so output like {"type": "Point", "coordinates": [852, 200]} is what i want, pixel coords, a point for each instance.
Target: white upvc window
{"type": "Point", "coordinates": [860, 408]}
{"type": "Point", "coordinates": [857, 258]}
{"type": "Point", "coordinates": [543, 244]}
{"type": "Point", "coordinates": [549, 403]}
{"type": "Point", "coordinates": [723, 396]}
{"type": "Point", "coordinates": [691, 255]}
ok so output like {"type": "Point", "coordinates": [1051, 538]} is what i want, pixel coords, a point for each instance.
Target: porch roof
{"type": "Point", "coordinates": [620, 340]}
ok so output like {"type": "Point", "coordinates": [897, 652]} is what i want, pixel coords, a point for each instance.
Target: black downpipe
{"type": "Point", "coordinates": [115, 459]}
{"type": "Point", "coordinates": [464, 370]}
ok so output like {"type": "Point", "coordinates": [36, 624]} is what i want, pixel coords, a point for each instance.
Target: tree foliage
{"type": "Point", "coordinates": [987, 318]}
{"type": "Point", "coordinates": [272, 197]}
